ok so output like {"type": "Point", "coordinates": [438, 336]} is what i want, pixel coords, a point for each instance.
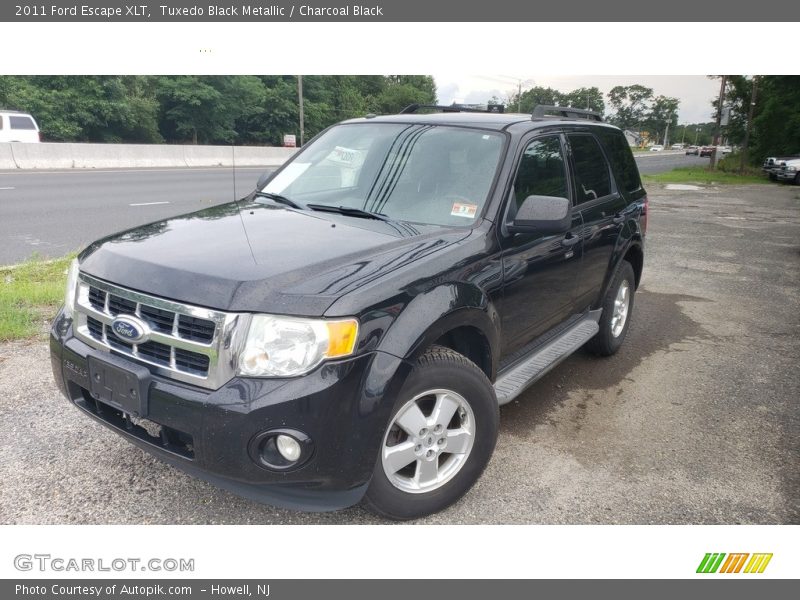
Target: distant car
{"type": "Point", "coordinates": [773, 164]}
{"type": "Point", "coordinates": [706, 150]}
{"type": "Point", "coordinates": [725, 149]}
{"type": "Point", "coordinates": [676, 147]}
{"type": "Point", "coordinates": [18, 127]}
{"type": "Point", "coordinates": [789, 171]}
{"type": "Point", "coordinates": [693, 150]}
{"type": "Point", "coordinates": [656, 148]}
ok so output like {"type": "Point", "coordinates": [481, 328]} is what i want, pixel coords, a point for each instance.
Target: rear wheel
{"type": "Point", "coordinates": [439, 439]}
{"type": "Point", "coordinates": [617, 309]}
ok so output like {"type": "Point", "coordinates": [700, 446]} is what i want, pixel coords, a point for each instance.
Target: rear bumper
{"type": "Point", "coordinates": [342, 407]}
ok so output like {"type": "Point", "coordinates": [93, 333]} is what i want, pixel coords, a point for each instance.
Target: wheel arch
{"type": "Point", "coordinates": [456, 315]}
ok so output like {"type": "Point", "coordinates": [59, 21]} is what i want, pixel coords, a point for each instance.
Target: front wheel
{"type": "Point", "coordinates": [617, 309]}
{"type": "Point", "coordinates": [439, 439]}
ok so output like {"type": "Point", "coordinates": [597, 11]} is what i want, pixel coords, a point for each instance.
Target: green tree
{"type": "Point", "coordinates": [87, 108]}
{"type": "Point", "coordinates": [629, 105]}
{"type": "Point", "coordinates": [776, 126]}
{"type": "Point", "coordinates": [535, 96]}
{"type": "Point", "coordinates": [588, 98]}
{"type": "Point", "coordinates": [206, 108]}
{"type": "Point", "coordinates": [662, 111]}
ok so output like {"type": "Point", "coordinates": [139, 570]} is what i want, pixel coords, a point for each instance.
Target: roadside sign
{"type": "Point", "coordinates": [289, 141]}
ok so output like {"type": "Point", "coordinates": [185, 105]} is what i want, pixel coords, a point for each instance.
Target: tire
{"type": "Point", "coordinates": [773, 177]}
{"type": "Point", "coordinates": [609, 339]}
{"type": "Point", "coordinates": [442, 380]}
{"type": "Point", "coordinates": [797, 179]}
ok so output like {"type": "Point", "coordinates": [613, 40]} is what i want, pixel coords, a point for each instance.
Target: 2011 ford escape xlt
{"type": "Point", "coordinates": [347, 332]}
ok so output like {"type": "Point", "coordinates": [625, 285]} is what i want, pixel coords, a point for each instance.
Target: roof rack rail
{"type": "Point", "coordinates": [490, 108]}
{"type": "Point", "coordinates": [543, 111]}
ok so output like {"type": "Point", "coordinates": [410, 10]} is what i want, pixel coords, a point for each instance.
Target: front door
{"type": "Point", "coordinates": [539, 271]}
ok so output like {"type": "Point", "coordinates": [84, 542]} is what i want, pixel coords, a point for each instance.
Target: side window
{"type": "Point", "coordinates": [1, 121]}
{"type": "Point", "coordinates": [541, 171]}
{"type": "Point", "coordinates": [591, 169]}
{"type": "Point", "coordinates": [622, 161]}
{"type": "Point", "coordinates": [21, 123]}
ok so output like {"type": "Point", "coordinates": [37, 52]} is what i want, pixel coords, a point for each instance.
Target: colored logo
{"type": "Point", "coordinates": [129, 328]}
{"type": "Point", "coordinates": [719, 562]}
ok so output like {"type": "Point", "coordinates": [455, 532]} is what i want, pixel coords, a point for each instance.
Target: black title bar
{"type": "Point", "coordinates": [409, 11]}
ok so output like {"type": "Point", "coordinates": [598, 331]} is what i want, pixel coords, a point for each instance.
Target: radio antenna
{"type": "Point", "coordinates": [233, 166]}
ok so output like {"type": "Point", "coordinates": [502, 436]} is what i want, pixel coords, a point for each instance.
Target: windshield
{"type": "Point", "coordinates": [419, 173]}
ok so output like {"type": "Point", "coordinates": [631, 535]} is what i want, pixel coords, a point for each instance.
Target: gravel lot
{"type": "Point", "coordinates": [694, 421]}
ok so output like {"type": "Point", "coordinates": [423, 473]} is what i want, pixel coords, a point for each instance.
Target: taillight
{"type": "Point", "coordinates": [643, 220]}
{"type": "Point", "coordinates": [39, 133]}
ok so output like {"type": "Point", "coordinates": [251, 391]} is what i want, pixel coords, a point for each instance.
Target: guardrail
{"type": "Point", "coordinates": [15, 155]}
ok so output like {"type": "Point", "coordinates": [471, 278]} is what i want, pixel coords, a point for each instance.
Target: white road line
{"type": "Point", "coordinates": [148, 203]}
{"type": "Point", "coordinates": [7, 188]}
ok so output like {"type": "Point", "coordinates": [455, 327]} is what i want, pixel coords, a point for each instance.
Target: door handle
{"type": "Point", "coordinates": [570, 241]}
{"type": "Point", "coordinates": [618, 218]}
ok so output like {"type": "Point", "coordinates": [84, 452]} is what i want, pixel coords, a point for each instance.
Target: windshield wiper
{"type": "Point", "coordinates": [350, 211]}
{"type": "Point", "coordinates": [280, 199]}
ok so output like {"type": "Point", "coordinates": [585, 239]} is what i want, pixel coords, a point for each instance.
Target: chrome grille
{"type": "Point", "coordinates": [184, 342]}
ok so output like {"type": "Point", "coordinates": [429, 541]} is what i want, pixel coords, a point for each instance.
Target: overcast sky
{"type": "Point", "coordinates": [694, 91]}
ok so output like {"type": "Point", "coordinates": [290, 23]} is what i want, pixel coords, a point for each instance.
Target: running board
{"type": "Point", "coordinates": [514, 381]}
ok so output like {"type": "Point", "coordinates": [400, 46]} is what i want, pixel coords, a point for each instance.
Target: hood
{"type": "Point", "coordinates": [260, 257]}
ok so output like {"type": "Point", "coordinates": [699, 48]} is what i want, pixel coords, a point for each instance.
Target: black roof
{"type": "Point", "coordinates": [485, 120]}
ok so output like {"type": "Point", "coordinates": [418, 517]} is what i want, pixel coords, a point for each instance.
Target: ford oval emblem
{"type": "Point", "coordinates": [129, 329]}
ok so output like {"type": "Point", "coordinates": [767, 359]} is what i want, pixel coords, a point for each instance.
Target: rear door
{"type": "Point", "coordinates": [22, 128]}
{"type": "Point", "coordinates": [601, 207]}
{"type": "Point", "coordinates": [539, 271]}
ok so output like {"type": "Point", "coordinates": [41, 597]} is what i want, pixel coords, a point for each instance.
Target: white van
{"type": "Point", "coordinates": [18, 127]}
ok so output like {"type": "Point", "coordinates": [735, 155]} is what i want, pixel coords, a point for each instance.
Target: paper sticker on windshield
{"type": "Point", "coordinates": [464, 210]}
{"type": "Point", "coordinates": [346, 157]}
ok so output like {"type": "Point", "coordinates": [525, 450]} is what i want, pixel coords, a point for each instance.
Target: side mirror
{"type": "Point", "coordinates": [543, 215]}
{"type": "Point", "coordinates": [262, 181]}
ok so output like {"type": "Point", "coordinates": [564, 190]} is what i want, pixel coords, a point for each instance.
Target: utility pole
{"type": "Point", "coordinates": [696, 133]}
{"type": "Point", "coordinates": [719, 120]}
{"type": "Point", "coordinates": [749, 123]}
{"type": "Point", "coordinates": [302, 114]}
{"type": "Point", "coordinates": [519, 97]}
{"type": "Point", "coordinates": [666, 130]}
{"type": "Point", "coordinates": [683, 137]}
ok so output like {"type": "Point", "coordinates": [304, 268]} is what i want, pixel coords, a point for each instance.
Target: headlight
{"type": "Point", "coordinates": [72, 284]}
{"type": "Point", "coordinates": [287, 346]}
{"type": "Point", "coordinates": [791, 168]}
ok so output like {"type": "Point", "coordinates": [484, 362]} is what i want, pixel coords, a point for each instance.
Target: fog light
{"type": "Point", "coordinates": [280, 449]}
{"type": "Point", "coordinates": [288, 447]}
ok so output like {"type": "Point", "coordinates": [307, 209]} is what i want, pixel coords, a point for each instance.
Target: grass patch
{"type": "Point", "coordinates": [30, 294]}
{"type": "Point", "coordinates": [701, 175]}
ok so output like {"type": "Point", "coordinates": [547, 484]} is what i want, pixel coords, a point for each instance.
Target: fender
{"type": "Point", "coordinates": [431, 314]}
{"type": "Point", "coordinates": [629, 237]}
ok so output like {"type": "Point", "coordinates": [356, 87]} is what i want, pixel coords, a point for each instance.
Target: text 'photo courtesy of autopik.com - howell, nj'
{"type": "Point", "coordinates": [322, 299]}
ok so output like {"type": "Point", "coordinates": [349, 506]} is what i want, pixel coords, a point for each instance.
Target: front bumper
{"type": "Point", "coordinates": [343, 407]}
{"type": "Point", "coordinates": [786, 175]}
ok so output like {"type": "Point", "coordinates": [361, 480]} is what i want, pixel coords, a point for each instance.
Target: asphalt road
{"type": "Point", "coordinates": [55, 212]}
{"type": "Point", "coordinates": [693, 421]}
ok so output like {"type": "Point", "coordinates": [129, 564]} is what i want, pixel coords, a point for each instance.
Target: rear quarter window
{"type": "Point", "coordinates": [21, 123]}
{"type": "Point", "coordinates": [622, 162]}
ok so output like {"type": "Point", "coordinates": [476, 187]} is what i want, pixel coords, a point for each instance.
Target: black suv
{"type": "Point", "coordinates": [347, 332]}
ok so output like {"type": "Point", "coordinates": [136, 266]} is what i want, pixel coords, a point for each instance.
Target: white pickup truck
{"type": "Point", "coordinates": [772, 165]}
{"type": "Point", "coordinates": [789, 171]}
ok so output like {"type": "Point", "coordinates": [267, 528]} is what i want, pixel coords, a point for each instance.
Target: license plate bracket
{"type": "Point", "coordinates": [125, 387]}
